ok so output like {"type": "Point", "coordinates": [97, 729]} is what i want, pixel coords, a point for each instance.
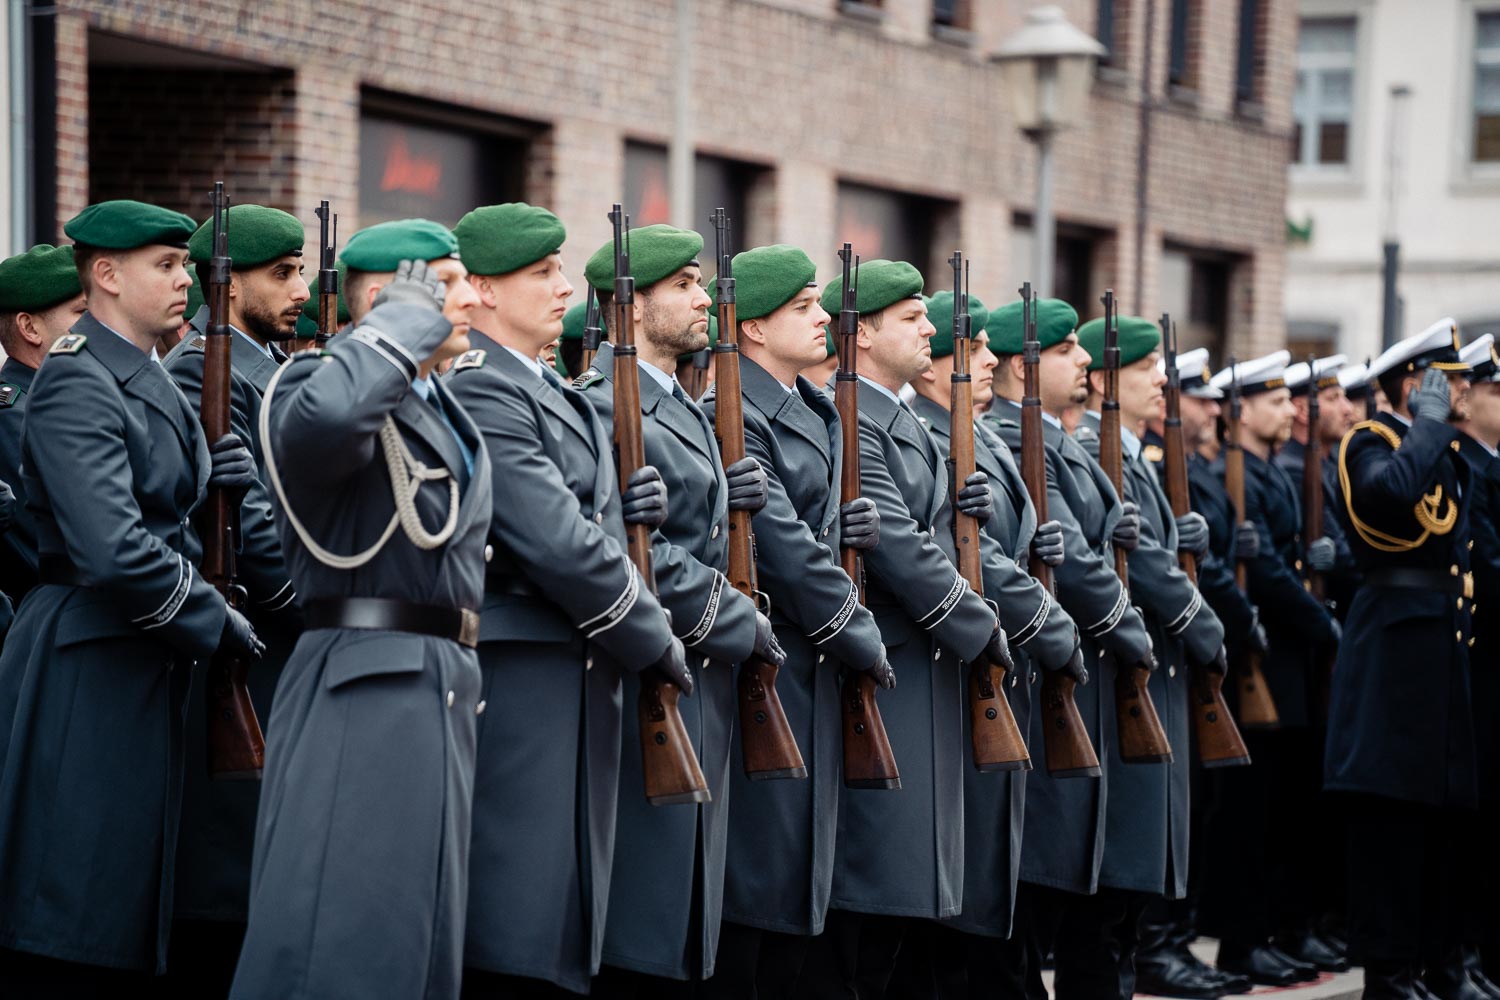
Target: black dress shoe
{"type": "Point", "coordinates": [1390, 982]}
{"type": "Point", "coordinates": [1307, 947]}
{"type": "Point", "coordinates": [1450, 981]}
{"type": "Point", "coordinates": [1165, 974]}
{"type": "Point", "coordinates": [1487, 986]}
{"type": "Point", "coordinates": [1231, 984]}
{"type": "Point", "coordinates": [1261, 964]}
{"type": "Point", "coordinates": [1306, 971]}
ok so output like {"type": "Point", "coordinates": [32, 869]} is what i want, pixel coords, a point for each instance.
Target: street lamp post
{"type": "Point", "coordinates": [1046, 67]}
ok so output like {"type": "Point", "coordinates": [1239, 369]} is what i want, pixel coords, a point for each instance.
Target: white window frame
{"type": "Point", "coordinates": [1347, 177]}
{"type": "Point", "coordinates": [1469, 176]}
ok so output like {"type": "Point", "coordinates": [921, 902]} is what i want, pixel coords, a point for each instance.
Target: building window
{"type": "Point", "coordinates": [889, 225]}
{"type": "Point", "coordinates": [1195, 290]}
{"type": "Point", "coordinates": [1177, 54]}
{"type": "Point", "coordinates": [717, 183]}
{"type": "Point", "coordinates": [1486, 147]}
{"type": "Point", "coordinates": [1245, 89]}
{"type": "Point", "coordinates": [1323, 106]}
{"type": "Point", "coordinates": [1104, 30]}
{"type": "Point", "coordinates": [953, 14]}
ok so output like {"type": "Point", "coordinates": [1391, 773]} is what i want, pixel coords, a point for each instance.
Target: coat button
{"type": "Point", "coordinates": [821, 657]}
{"type": "Point", "coordinates": [1453, 445]}
{"type": "Point", "coordinates": [827, 530]}
{"type": "Point", "coordinates": [599, 517]}
{"type": "Point", "coordinates": [588, 663]}
{"type": "Point", "coordinates": [1171, 671]}
{"type": "Point", "coordinates": [1460, 603]}
{"type": "Point", "coordinates": [450, 699]}
{"type": "Point", "coordinates": [489, 553]}
{"type": "Point", "coordinates": [1471, 643]}
{"type": "Point", "coordinates": [714, 533]}
{"type": "Point", "coordinates": [1453, 570]}
{"type": "Point", "coordinates": [479, 708]}
{"type": "Point", "coordinates": [1014, 680]}
{"type": "Point", "coordinates": [1459, 635]}
{"type": "Point", "coordinates": [938, 655]}
{"type": "Point", "coordinates": [1031, 678]}
{"type": "Point", "coordinates": [704, 664]}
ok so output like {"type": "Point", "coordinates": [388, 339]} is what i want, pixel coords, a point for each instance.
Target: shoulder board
{"type": "Point", "coordinates": [1085, 433]}
{"type": "Point", "coordinates": [588, 378]}
{"type": "Point", "coordinates": [1008, 422]}
{"type": "Point", "coordinates": [70, 344]}
{"type": "Point", "coordinates": [1390, 436]}
{"type": "Point", "coordinates": [1153, 453]}
{"type": "Point", "coordinates": [9, 394]}
{"type": "Point", "coordinates": [469, 359]}
{"type": "Point", "coordinates": [199, 342]}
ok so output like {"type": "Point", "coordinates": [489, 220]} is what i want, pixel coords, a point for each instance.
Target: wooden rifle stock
{"type": "Point", "coordinates": [236, 746]}
{"type": "Point", "coordinates": [1142, 738]}
{"type": "Point", "coordinates": [1257, 707]}
{"type": "Point", "coordinates": [869, 761]}
{"type": "Point", "coordinates": [1219, 741]}
{"type": "Point", "coordinates": [1069, 752]}
{"type": "Point", "coordinates": [668, 763]}
{"type": "Point", "coordinates": [767, 743]}
{"type": "Point", "coordinates": [996, 739]}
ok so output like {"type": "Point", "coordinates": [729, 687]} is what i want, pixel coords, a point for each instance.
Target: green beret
{"type": "Point", "coordinates": [1138, 338]}
{"type": "Point", "coordinates": [383, 247]}
{"type": "Point", "coordinates": [940, 314]}
{"type": "Point", "coordinates": [126, 225]}
{"type": "Point", "coordinates": [195, 297]}
{"type": "Point", "coordinates": [656, 252]}
{"type": "Point", "coordinates": [828, 343]}
{"type": "Point", "coordinates": [257, 235]}
{"type": "Point", "coordinates": [307, 329]}
{"type": "Point", "coordinates": [880, 283]}
{"type": "Point", "coordinates": [310, 307]}
{"type": "Point", "coordinates": [713, 336]}
{"type": "Point", "coordinates": [1055, 319]}
{"type": "Point", "coordinates": [767, 278]}
{"type": "Point", "coordinates": [38, 279]}
{"type": "Point", "coordinates": [498, 239]}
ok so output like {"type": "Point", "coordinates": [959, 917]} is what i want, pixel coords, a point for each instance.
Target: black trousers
{"type": "Point", "coordinates": [1092, 940]}
{"type": "Point", "coordinates": [201, 959]}
{"type": "Point", "coordinates": [755, 964]}
{"type": "Point", "coordinates": [24, 976]}
{"type": "Point", "coordinates": [622, 984]}
{"type": "Point", "coordinates": [481, 985]}
{"type": "Point", "coordinates": [1406, 877]}
{"type": "Point", "coordinates": [854, 958]}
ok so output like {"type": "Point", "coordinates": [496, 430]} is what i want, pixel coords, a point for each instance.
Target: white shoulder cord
{"type": "Point", "coordinates": [407, 476]}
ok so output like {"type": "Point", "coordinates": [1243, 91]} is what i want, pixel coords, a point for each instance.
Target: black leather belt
{"type": "Point", "coordinates": [56, 569]}
{"type": "Point", "coordinates": [1460, 584]}
{"type": "Point", "coordinates": [385, 615]}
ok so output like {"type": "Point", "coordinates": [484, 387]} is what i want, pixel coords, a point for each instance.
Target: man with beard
{"type": "Point", "coordinates": [1058, 908]}
{"type": "Point", "coordinates": [266, 293]}
{"type": "Point", "coordinates": [1258, 857]}
{"type": "Point", "coordinates": [667, 890]}
{"type": "Point", "coordinates": [1041, 635]}
{"type": "Point", "coordinates": [101, 656]}
{"type": "Point", "coordinates": [1146, 833]}
{"type": "Point", "coordinates": [779, 869]}
{"type": "Point", "coordinates": [1401, 748]}
{"type": "Point", "coordinates": [40, 298]}
{"type": "Point", "coordinates": [901, 853]}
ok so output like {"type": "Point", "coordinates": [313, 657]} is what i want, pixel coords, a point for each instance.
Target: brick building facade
{"type": "Point", "coordinates": [881, 121]}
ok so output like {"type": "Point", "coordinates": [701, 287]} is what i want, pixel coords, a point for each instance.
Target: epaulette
{"type": "Point", "coordinates": [71, 343]}
{"type": "Point", "coordinates": [1153, 453]}
{"type": "Point", "coordinates": [9, 394]}
{"type": "Point", "coordinates": [1085, 433]}
{"type": "Point", "coordinates": [589, 377]}
{"type": "Point", "coordinates": [200, 342]}
{"type": "Point", "coordinates": [469, 359]}
{"type": "Point", "coordinates": [1008, 422]}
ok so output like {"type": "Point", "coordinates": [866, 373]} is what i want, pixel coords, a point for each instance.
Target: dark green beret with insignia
{"type": "Point", "coordinates": [573, 321]}
{"type": "Point", "coordinates": [310, 307]}
{"type": "Point", "coordinates": [1055, 319]}
{"type": "Point", "coordinates": [384, 246]}
{"type": "Point", "coordinates": [713, 335]}
{"type": "Point", "coordinates": [38, 279]}
{"type": "Point", "coordinates": [878, 284]}
{"type": "Point", "coordinates": [257, 235]}
{"type": "Point", "coordinates": [940, 315]}
{"type": "Point", "coordinates": [656, 252]}
{"type": "Point", "coordinates": [767, 278]}
{"type": "Point", "coordinates": [1138, 338]}
{"type": "Point", "coordinates": [126, 225]}
{"type": "Point", "coordinates": [498, 239]}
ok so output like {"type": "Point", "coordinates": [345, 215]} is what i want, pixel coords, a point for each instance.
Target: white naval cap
{"type": "Point", "coordinates": [1435, 347]}
{"type": "Point", "coordinates": [1325, 371]}
{"type": "Point", "coordinates": [1482, 359]}
{"type": "Point", "coordinates": [1355, 379]}
{"type": "Point", "coordinates": [1193, 373]}
{"type": "Point", "coordinates": [1256, 375]}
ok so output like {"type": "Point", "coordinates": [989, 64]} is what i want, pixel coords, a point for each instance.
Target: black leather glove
{"type": "Point", "coordinates": [767, 649]}
{"type": "Point", "coordinates": [415, 284]}
{"type": "Point", "coordinates": [7, 507]}
{"type": "Point", "coordinates": [1320, 554]}
{"type": "Point", "coordinates": [1256, 641]}
{"type": "Point", "coordinates": [1074, 668]}
{"type": "Point", "coordinates": [1047, 543]}
{"type": "Point", "coordinates": [997, 650]}
{"type": "Point", "coordinates": [1219, 664]}
{"type": "Point", "coordinates": [1246, 541]}
{"type": "Point", "coordinates": [1432, 399]}
{"type": "Point", "coordinates": [747, 485]}
{"type": "Point", "coordinates": [231, 466]}
{"type": "Point", "coordinates": [974, 497]}
{"type": "Point", "coordinates": [238, 637]}
{"type": "Point", "coordinates": [859, 524]}
{"type": "Point", "coordinates": [882, 672]}
{"type": "Point", "coordinates": [673, 663]}
{"type": "Point", "coordinates": [645, 500]}
{"type": "Point", "coordinates": [1192, 533]}
{"type": "Point", "coordinates": [1127, 533]}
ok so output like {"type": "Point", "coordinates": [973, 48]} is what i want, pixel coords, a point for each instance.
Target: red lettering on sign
{"type": "Point", "coordinates": [405, 172]}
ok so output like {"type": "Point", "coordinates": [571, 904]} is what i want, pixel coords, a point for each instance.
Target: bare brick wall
{"type": "Point", "coordinates": [816, 95]}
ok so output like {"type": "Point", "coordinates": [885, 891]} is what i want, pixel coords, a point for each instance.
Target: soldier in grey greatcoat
{"type": "Point", "coordinates": [565, 615]}
{"type": "Point", "coordinates": [218, 817]}
{"type": "Point", "coordinates": [102, 654]}
{"type": "Point", "coordinates": [382, 489]}
{"type": "Point", "coordinates": [1057, 907]}
{"type": "Point", "coordinates": [667, 894]}
{"type": "Point", "coordinates": [779, 870]}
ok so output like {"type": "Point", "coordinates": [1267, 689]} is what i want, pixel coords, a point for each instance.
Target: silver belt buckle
{"type": "Point", "coordinates": [468, 628]}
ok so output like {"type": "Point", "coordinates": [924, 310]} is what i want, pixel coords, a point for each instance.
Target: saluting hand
{"type": "Point", "coordinates": [1127, 533]}
{"type": "Point", "coordinates": [1047, 544]}
{"type": "Point", "coordinates": [644, 501]}
{"type": "Point", "coordinates": [974, 498]}
{"type": "Point", "coordinates": [747, 485]}
{"type": "Point", "coordinates": [415, 284]}
{"type": "Point", "coordinates": [1432, 399]}
{"type": "Point", "coordinates": [859, 524]}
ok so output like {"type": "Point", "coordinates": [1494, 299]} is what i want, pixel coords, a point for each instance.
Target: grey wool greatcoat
{"type": "Point", "coordinates": [1146, 833]}
{"type": "Point", "coordinates": [902, 852]}
{"type": "Point", "coordinates": [358, 886]}
{"type": "Point", "coordinates": [1065, 818]}
{"type": "Point", "coordinates": [18, 543]}
{"type": "Point", "coordinates": [665, 901]}
{"type": "Point", "coordinates": [218, 817]}
{"type": "Point", "coordinates": [1042, 636]}
{"type": "Point", "coordinates": [565, 615]}
{"type": "Point", "coordinates": [779, 871]}
{"type": "Point", "coordinates": [93, 678]}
